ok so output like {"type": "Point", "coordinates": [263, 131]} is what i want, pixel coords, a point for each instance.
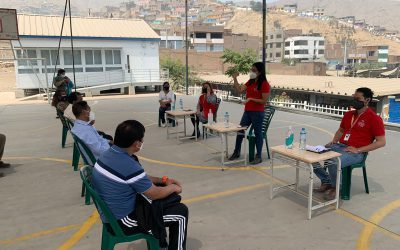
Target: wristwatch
{"type": "Point", "coordinates": [164, 180]}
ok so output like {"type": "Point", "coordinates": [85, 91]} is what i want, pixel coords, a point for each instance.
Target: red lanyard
{"type": "Point", "coordinates": [354, 122]}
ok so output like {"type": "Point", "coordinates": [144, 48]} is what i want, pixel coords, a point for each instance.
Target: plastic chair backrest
{"type": "Point", "coordinates": [174, 103]}
{"type": "Point", "coordinates": [63, 119]}
{"type": "Point", "coordinates": [362, 163]}
{"type": "Point", "coordinates": [86, 174]}
{"type": "Point", "coordinates": [268, 114]}
{"type": "Point", "coordinates": [84, 150]}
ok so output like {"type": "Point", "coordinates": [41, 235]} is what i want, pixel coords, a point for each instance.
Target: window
{"type": "Point", "coordinates": [163, 44]}
{"type": "Point", "coordinates": [200, 47]}
{"type": "Point", "coordinates": [279, 36]}
{"type": "Point", "coordinates": [321, 52]}
{"type": "Point", "coordinates": [271, 45]}
{"type": "Point", "coordinates": [287, 52]}
{"type": "Point", "coordinates": [278, 45]}
{"type": "Point", "coordinates": [94, 69]}
{"type": "Point", "coordinates": [270, 54]}
{"type": "Point", "coordinates": [50, 56]}
{"type": "Point", "coordinates": [201, 35]}
{"type": "Point", "coordinates": [30, 53]}
{"type": "Point", "coordinates": [113, 57]}
{"type": "Point", "coordinates": [300, 42]}
{"type": "Point", "coordinates": [287, 44]}
{"type": "Point", "coordinates": [93, 57]}
{"type": "Point", "coordinates": [278, 54]}
{"type": "Point", "coordinates": [371, 53]}
{"type": "Point", "coordinates": [321, 43]}
{"type": "Point", "coordinates": [301, 52]}
{"type": "Point", "coordinates": [216, 35]}
{"type": "Point", "coordinates": [179, 44]}
{"type": "Point", "coordinates": [271, 37]}
{"type": "Point", "coordinates": [68, 57]}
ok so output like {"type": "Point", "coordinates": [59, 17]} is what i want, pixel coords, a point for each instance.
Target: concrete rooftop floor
{"type": "Point", "coordinates": [41, 207]}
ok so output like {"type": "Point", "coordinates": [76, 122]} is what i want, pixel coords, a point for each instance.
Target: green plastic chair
{"type": "Point", "coordinates": [268, 114]}
{"type": "Point", "coordinates": [88, 159]}
{"type": "Point", "coordinates": [346, 178]}
{"type": "Point", "coordinates": [110, 239]}
{"type": "Point", "coordinates": [67, 125]}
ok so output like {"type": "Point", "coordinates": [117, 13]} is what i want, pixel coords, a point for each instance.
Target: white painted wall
{"type": "Point", "coordinates": [144, 59]}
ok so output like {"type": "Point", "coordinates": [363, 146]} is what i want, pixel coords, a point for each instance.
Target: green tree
{"type": "Point", "coordinates": [239, 62]}
{"type": "Point", "coordinates": [256, 6]}
{"type": "Point", "coordinates": [177, 72]}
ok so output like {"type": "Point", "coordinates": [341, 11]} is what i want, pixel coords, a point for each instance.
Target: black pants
{"type": "Point", "coordinates": [161, 113]}
{"type": "Point", "coordinates": [175, 218]}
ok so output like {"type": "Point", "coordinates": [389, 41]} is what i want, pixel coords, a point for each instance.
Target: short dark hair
{"type": "Point", "coordinates": [165, 83]}
{"type": "Point", "coordinates": [60, 72]}
{"type": "Point", "coordinates": [73, 97]}
{"type": "Point", "coordinates": [78, 107]}
{"type": "Point", "coordinates": [128, 132]}
{"type": "Point", "coordinates": [367, 92]}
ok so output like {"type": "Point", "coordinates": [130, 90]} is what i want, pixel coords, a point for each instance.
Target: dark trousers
{"type": "Point", "coordinates": [2, 145]}
{"type": "Point", "coordinates": [161, 113]}
{"type": "Point", "coordinates": [254, 118]}
{"type": "Point", "coordinates": [175, 218]}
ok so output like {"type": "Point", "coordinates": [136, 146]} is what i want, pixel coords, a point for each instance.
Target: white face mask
{"type": "Point", "coordinates": [91, 116]}
{"type": "Point", "coordinates": [253, 75]}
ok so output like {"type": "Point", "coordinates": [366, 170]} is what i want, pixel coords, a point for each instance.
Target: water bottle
{"type": "Point", "coordinates": [226, 120]}
{"type": "Point", "coordinates": [303, 138]}
{"type": "Point", "coordinates": [181, 103]}
{"type": "Point", "coordinates": [289, 138]}
{"type": "Point", "coordinates": [210, 117]}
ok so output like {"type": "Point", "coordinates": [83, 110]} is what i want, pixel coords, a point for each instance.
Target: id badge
{"type": "Point", "coordinates": [346, 137]}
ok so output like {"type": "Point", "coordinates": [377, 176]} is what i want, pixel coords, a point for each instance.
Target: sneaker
{"type": "Point", "coordinates": [257, 160]}
{"type": "Point", "coordinates": [330, 194]}
{"type": "Point", "coordinates": [1, 175]}
{"type": "Point", "coordinates": [323, 188]}
{"type": "Point", "coordinates": [234, 156]}
{"type": "Point", "coordinates": [163, 125]}
{"type": "Point", "coordinates": [4, 165]}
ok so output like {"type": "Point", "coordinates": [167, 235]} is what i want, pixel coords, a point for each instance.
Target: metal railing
{"type": "Point", "coordinates": [325, 109]}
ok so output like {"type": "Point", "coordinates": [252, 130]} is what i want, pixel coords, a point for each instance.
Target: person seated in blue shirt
{"type": "Point", "coordinates": [118, 178]}
{"type": "Point", "coordinates": [84, 129]}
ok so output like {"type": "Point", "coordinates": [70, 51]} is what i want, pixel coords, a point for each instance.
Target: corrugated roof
{"type": "Point", "coordinates": [84, 27]}
{"type": "Point", "coordinates": [339, 85]}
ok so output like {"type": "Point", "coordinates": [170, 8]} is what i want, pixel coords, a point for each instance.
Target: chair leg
{"type": "Point", "coordinates": [266, 145]}
{"type": "Point", "coordinates": [87, 198]}
{"type": "Point", "coordinates": [365, 180]}
{"type": "Point", "coordinates": [106, 242]}
{"type": "Point", "coordinates": [83, 190]}
{"type": "Point", "coordinates": [252, 147]}
{"type": "Point", "coordinates": [75, 157]}
{"type": "Point", "coordinates": [64, 136]}
{"type": "Point", "coordinates": [346, 183]}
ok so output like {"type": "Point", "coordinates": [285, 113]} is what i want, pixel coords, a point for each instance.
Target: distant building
{"type": "Point", "coordinates": [305, 48]}
{"type": "Point", "coordinates": [241, 42]}
{"type": "Point", "coordinates": [290, 8]}
{"type": "Point", "coordinates": [105, 51]}
{"type": "Point", "coordinates": [206, 38]}
{"type": "Point", "coordinates": [369, 54]}
{"type": "Point", "coordinates": [275, 43]}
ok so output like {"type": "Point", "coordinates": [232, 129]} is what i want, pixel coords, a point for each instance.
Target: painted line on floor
{"type": "Point", "coordinates": [364, 240]}
{"type": "Point", "coordinates": [88, 224]}
{"type": "Point", "coordinates": [40, 234]}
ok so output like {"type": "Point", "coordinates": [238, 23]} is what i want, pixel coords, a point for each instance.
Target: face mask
{"type": "Point", "coordinates": [166, 88]}
{"type": "Point", "coordinates": [91, 116]}
{"type": "Point", "coordinates": [357, 104]}
{"type": "Point", "coordinates": [204, 90]}
{"type": "Point", "coordinates": [253, 75]}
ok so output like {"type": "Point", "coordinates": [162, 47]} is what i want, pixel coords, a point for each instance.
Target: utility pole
{"type": "Point", "coordinates": [187, 46]}
{"type": "Point", "coordinates": [264, 20]}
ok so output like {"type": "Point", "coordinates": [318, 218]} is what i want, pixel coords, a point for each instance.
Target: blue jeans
{"type": "Point", "coordinates": [254, 118]}
{"type": "Point", "coordinates": [347, 159]}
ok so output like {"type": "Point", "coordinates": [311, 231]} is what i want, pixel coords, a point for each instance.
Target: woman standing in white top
{"type": "Point", "coordinates": [166, 99]}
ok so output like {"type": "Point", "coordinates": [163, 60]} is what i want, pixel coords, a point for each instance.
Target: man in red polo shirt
{"type": "Point", "coordinates": [360, 131]}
